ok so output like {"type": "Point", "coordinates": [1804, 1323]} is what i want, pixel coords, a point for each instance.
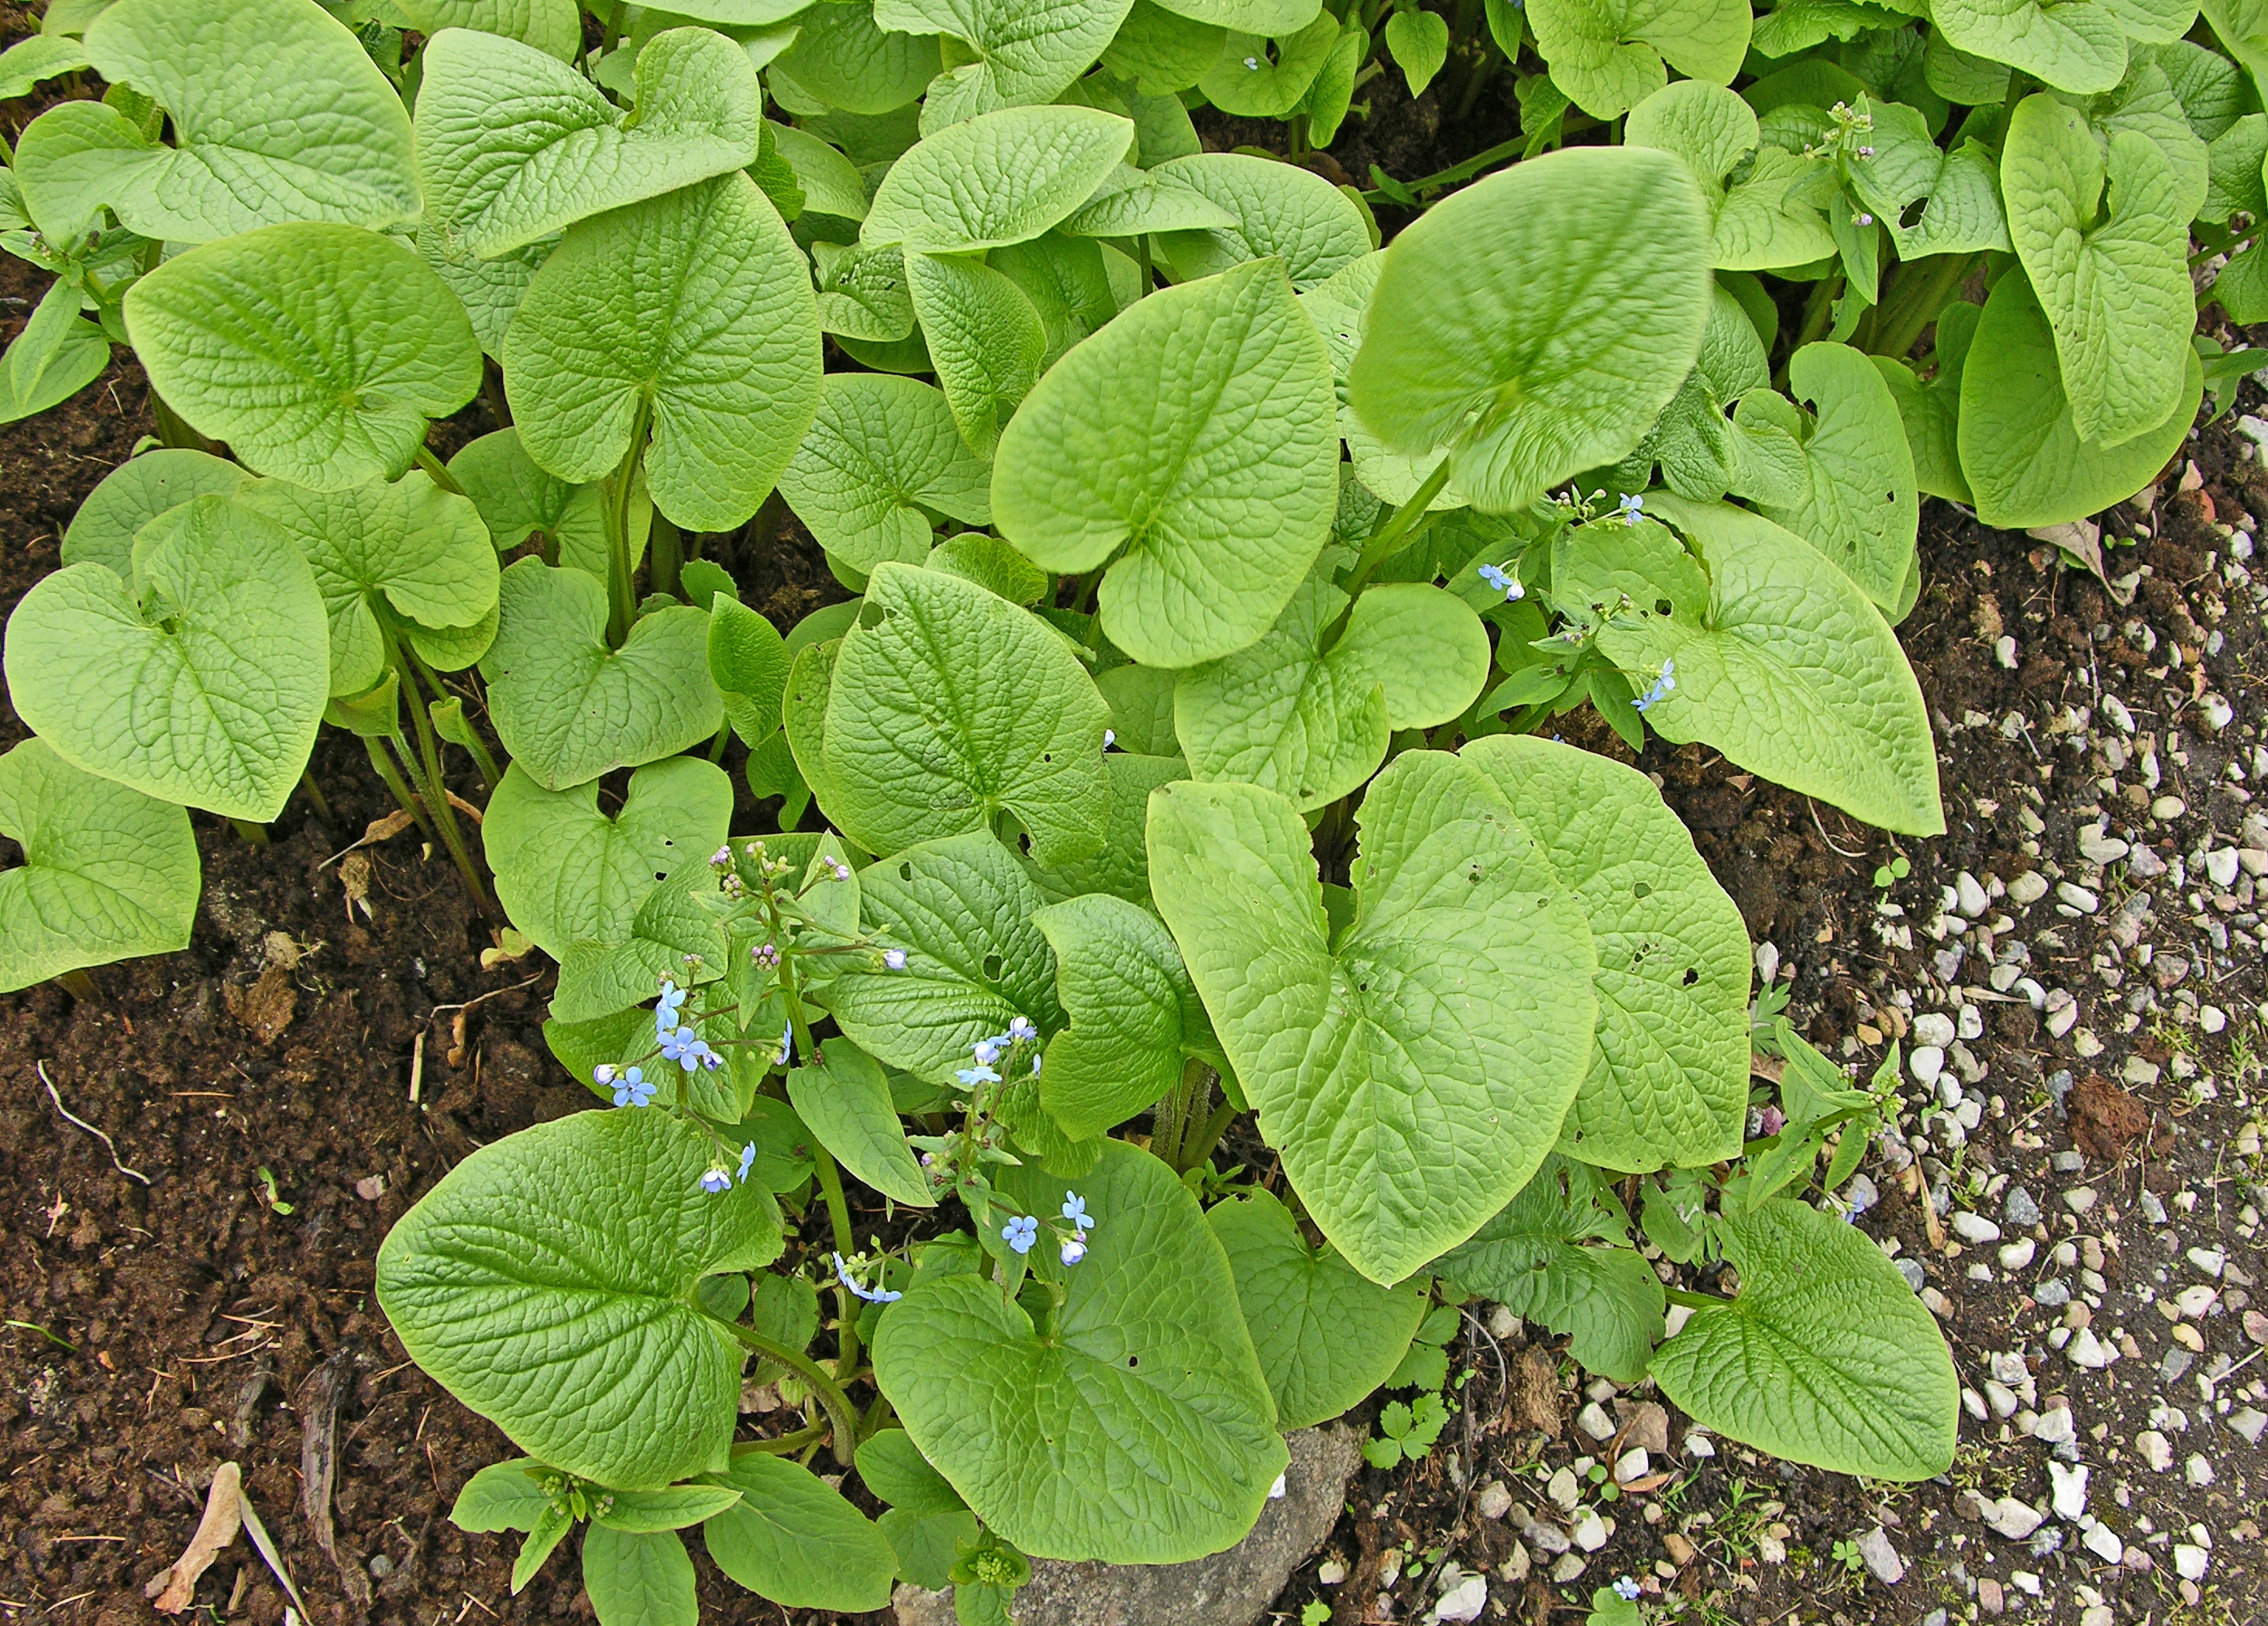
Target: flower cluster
{"type": "Point", "coordinates": [1504, 581]}
{"type": "Point", "coordinates": [987, 1052]}
{"type": "Point", "coordinates": [629, 1084]}
{"type": "Point", "coordinates": [718, 1180]}
{"type": "Point", "coordinates": [876, 1294]}
{"type": "Point", "coordinates": [680, 1043]}
{"type": "Point", "coordinates": [1631, 507]}
{"type": "Point", "coordinates": [1022, 1231]}
{"type": "Point", "coordinates": [1661, 686]}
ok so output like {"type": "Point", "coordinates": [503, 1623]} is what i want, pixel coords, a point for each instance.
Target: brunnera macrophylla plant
{"type": "Point", "coordinates": [1181, 766]}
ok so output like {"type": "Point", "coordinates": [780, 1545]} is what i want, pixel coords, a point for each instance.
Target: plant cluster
{"type": "Point", "coordinates": [1187, 750]}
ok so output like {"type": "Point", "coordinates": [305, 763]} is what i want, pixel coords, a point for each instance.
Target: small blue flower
{"type": "Point", "coordinates": [666, 1008]}
{"type": "Point", "coordinates": [840, 870]}
{"type": "Point", "coordinates": [1074, 1209]}
{"type": "Point", "coordinates": [1035, 1066]}
{"type": "Point", "coordinates": [872, 1295]}
{"type": "Point", "coordinates": [894, 958]}
{"type": "Point", "coordinates": [1627, 1589]}
{"type": "Point", "coordinates": [979, 1074]}
{"type": "Point", "coordinates": [715, 1181]}
{"type": "Point", "coordinates": [1022, 1232]}
{"type": "Point", "coordinates": [722, 858]}
{"type": "Point", "coordinates": [1072, 1251]}
{"type": "Point", "coordinates": [987, 1050]}
{"type": "Point", "coordinates": [1109, 738]}
{"type": "Point", "coordinates": [1504, 581]}
{"type": "Point", "coordinates": [631, 1088]}
{"type": "Point", "coordinates": [677, 1045]}
{"type": "Point", "coordinates": [787, 1047]}
{"type": "Point", "coordinates": [603, 1074]}
{"type": "Point", "coordinates": [1661, 686]}
{"type": "Point", "coordinates": [1633, 507]}
{"type": "Point", "coordinates": [747, 1161]}
{"type": "Point", "coordinates": [1021, 1030]}
{"type": "Point", "coordinates": [709, 1058]}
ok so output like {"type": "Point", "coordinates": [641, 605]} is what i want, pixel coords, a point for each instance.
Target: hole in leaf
{"type": "Point", "coordinates": [1641, 890]}
{"type": "Point", "coordinates": [1910, 215]}
{"type": "Point", "coordinates": [661, 874]}
{"type": "Point", "coordinates": [1661, 607]}
{"type": "Point", "coordinates": [992, 964]}
{"type": "Point", "coordinates": [1691, 977]}
{"type": "Point", "coordinates": [871, 614]}
{"type": "Point", "coordinates": [1133, 1361]}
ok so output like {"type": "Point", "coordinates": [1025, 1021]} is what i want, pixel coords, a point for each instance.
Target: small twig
{"type": "Point", "coordinates": [1823, 836]}
{"type": "Point", "coordinates": [416, 1066]}
{"type": "Point", "coordinates": [132, 1174]}
{"type": "Point", "coordinates": [490, 994]}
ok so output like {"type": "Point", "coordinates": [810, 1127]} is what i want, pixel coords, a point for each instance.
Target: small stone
{"type": "Point", "coordinates": [1630, 1466]}
{"type": "Point", "coordinates": [371, 1188]}
{"type": "Point", "coordinates": [1968, 895]}
{"type": "Point", "coordinates": [1546, 1537]}
{"type": "Point", "coordinates": [1882, 1559]}
{"type": "Point", "coordinates": [2079, 1198]}
{"type": "Point", "coordinates": [1681, 1551]}
{"type": "Point", "coordinates": [1563, 1490]}
{"type": "Point", "coordinates": [2069, 1480]}
{"type": "Point", "coordinates": [2004, 651]}
{"type": "Point", "coordinates": [2247, 1424]}
{"type": "Point", "coordinates": [2028, 889]}
{"type": "Point", "coordinates": [1911, 1269]}
{"type": "Point", "coordinates": [1933, 1028]}
{"type": "Point", "coordinates": [1926, 1063]}
{"type": "Point", "coordinates": [1974, 1228]}
{"type": "Point", "coordinates": [2195, 1299]}
{"type": "Point", "coordinates": [1567, 1569]}
{"type": "Point", "coordinates": [2211, 1018]}
{"type": "Point", "coordinates": [1503, 1324]}
{"type": "Point", "coordinates": [2052, 1293]}
{"type": "Point", "coordinates": [2209, 1260]}
{"type": "Point", "coordinates": [2000, 1398]}
{"type": "Point", "coordinates": [2144, 865]}
{"type": "Point", "coordinates": [2012, 1517]}
{"type": "Point", "coordinates": [1331, 1572]}
{"type": "Point", "coordinates": [2062, 1019]}
{"type": "Point", "coordinates": [2167, 808]}
{"type": "Point", "coordinates": [1591, 1534]}
{"type": "Point", "coordinates": [2197, 1470]}
{"type": "Point", "coordinates": [1973, 1403]}
{"type": "Point", "coordinates": [1515, 1566]}
{"type": "Point", "coordinates": [2156, 1451]}
{"type": "Point", "coordinates": [2220, 864]}
{"type": "Point", "coordinates": [1467, 1598]}
{"type": "Point", "coordinates": [2191, 1561]}
{"type": "Point", "coordinates": [1990, 1598]}
{"type": "Point", "coordinates": [2103, 1542]}
{"type": "Point", "coordinates": [2101, 849]}
{"type": "Point", "coordinates": [2097, 1615]}
{"type": "Point", "coordinates": [2017, 1254]}
{"type": "Point", "coordinates": [2079, 898]}
{"type": "Point", "coordinates": [1494, 1501]}
{"type": "Point", "coordinates": [1594, 1420]}
{"type": "Point", "coordinates": [2018, 1209]}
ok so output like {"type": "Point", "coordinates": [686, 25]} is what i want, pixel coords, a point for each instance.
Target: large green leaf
{"type": "Point", "coordinates": [1196, 432]}
{"type": "Point", "coordinates": [1668, 1081]}
{"type": "Point", "coordinates": [639, 1578]}
{"type": "Point", "coordinates": [566, 872]}
{"type": "Point", "coordinates": [1316, 725]}
{"type": "Point", "coordinates": [1137, 1426]}
{"type": "Point", "coordinates": [553, 26]}
{"type": "Point", "coordinates": [1281, 210]}
{"type": "Point", "coordinates": [1825, 1358]}
{"type": "Point", "coordinates": [519, 501]}
{"type": "Point", "coordinates": [569, 708]}
{"type": "Point", "coordinates": [962, 910]}
{"type": "Point", "coordinates": [1790, 670]}
{"type": "Point", "coordinates": [950, 706]}
{"type": "Point", "coordinates": [1121, 869]}
{"type": "Point", "coordinates": [1759, 222]}
{"type": "Point", "coordinates": [1266, 78]}
{"type": "Point", "coordinates": [2074, 45]}
{"type": "Point", "coordinates": [1859, 505]}
{"type": "Point", "coordinates": [671, 934]}
{"type": "Point", "coordinates": [1959, 190]}
{"type": "Point", "coordinates": [1414, 1072]}
{"type": "Point", "coordinates": [1607, 55]}
{"type": "Point", "coordinates": [846, 1100]}
{"type": "Point", "coordinates": [2025, 460]}
{"type": "Point", "coordinates": [842, 58]}
{"type": "Point", "coordinates": [791, 1538]}
{"type": "Point", "coordinates": [409, 551]}
{"type": "Point", "coordinates": [58, 353]}
{"type": "Point", "coordinates": [999, 178]}
{"type": "Point", "coordinates": [277, 113]}
{"type": "Point", "coordinates": [1025, 52]}
{"type": "Point", "coordinates": [318, 352]}
{"type": "Point", "coordinates": [513, 144]}
{"type": "Point", "coordinates": [1134, 1015]}
{"type": "Point", "coordinates": [2110, 272]}
{"type": "Point", "coordinates": [728, 364]}
{"type": "Point", "coordinates": [1272, 18]}
{"type": "Point", "coordinates": [1535, 324]}
{"type": "Point", "coordinates": [545, 1282]}
{"type": "Point", "coordinates": [883, 452]}
{"type": "Point", "coordinates": [1553, 1255]}
{"type": "Point", "coordinates": [107, 873]}
{"type": "Point", "coordinates": [137, 492]}
{"type": "Point", "coordinates": [200, 683]}
{"type": "Point", "coordinates": [984, 338]}
{"type": "Point", "coordinates": [1326, 1337]}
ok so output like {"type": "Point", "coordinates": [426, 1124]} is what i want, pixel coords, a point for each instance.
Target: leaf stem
{"type": "Point", "coordinates": [315, 798]}
{"type": "Point", "coordinates": [252, 834]}
{"type": "Point", "coordinates": [381, 758]}
{"type": "Point", "coordinates": [1915, 302]}
{"type": "Point", "coordinates": [785, 1445]}
{"type": "Point", "coordinates": [621, 604]}
{"type": "Point", "coordinates": [831, 1178]}
{"type": "Point", "coordinates": [431, 781]}
{"type": "Point", "coordinates": [1385, 542]}
{"type": "Point", "coordinates": [841, 1414]}
{"type": "Point", "coordinates": [439, 471]}
{"type": "Point", "coordinates": [668, 556]}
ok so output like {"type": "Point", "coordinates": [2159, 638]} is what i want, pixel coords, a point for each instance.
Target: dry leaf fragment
{"type": "Point", "coordinates": [2082, 540]}
{"type": "Point", "coordinates": [224, 1516]}
{"type": "Point", "coordinates": [354, 876]}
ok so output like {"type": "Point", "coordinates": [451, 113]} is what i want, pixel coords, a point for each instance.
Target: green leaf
{"type": "Point", "coordinates": [567, 872]}
{"type": "Point", "coordinates": [644, 1512]}
{"type": "Point", "coordinates": [1537, 1259]}
{"type": "Point", "coordinates": [202, 684]}
{"type": "Point", "coordinates": [895, 1472]}
{"type": "Point", "coordinates": [962, 909]}
{"type": "Point", "coordinates": [642, 1579]}
{"type": "Point", "coordinates": [409, 551]}
{"type": "Point", "coordinates": [57, 354]}
{"type": "Point", "coordinates": [1121, 869]}
{"type": "Point", "coordinates": [671, 935]}
{"type": "Point", "coordinates": [1415, 1072]}
{"type": "Point", "coordinates": [1133, 1014]}
{"type": "Point", "coordinates": [513, 144]}
{"type": "Point", "coordinates": [949, 705]}
{"type": "Point", "coordinates": [1160, 52]}
{"type": "Point", "coordinates": [926, 1545]}
{"type": "Point", "coordinates": [791, 1538]}
{"type": "Point", "coordinates": [2074, 45]}
{"type": "Point", "coordinates": [1198, 428]}
{"type": "Point", "coordinates": [1139, 1429]}
{"type": "Point", "coordinates": [1962, 213]}
{"type": "Point", "coordinates": [1281, 210]}
{"type": "Point", "coordinates": [107, 873]}
{"type": "Point", "coordinates": [991, 564]}
{"type": "Point", "coordinates": [985, 340]}
{"type": "Point", "coordinates": [1668, 1080]}
{"type": "Point", "coordinates": [1761, 222]}
{"type": "Point", "coordinates": [503, 1496]}
{"type": "Point", "coordinates": [842, 58]}
{"type": "Point", "coordinates": [846, 1101]}
{"type": "Point", "coordinates": [1132, 201]}
{"type": "Point", "coordinates": [29, 62]}
{"type": "Point", "coordinates": [1607, 55]}
{"type": "Point", "coordinates": [490, 290]}
{"type": "Point", "coordinates": [247, 339]}
{"type": "Point", "coordinates": [1826, 1356]}
{"type": "Point", "coordinates": [1025, 53]}
{"type": "Point", "coordinates": [749, 663]}
{"type": "Point", "coordinates": [137, 492]}
{"type": "Point", "coordinates": [1313, 725]}
{"type": "Point", "coordinates": [830, 182]}
{"type": "Point", "coordinates": [567, 707]}
{"type": "Point", "coordinates": [1528, 351]}
{"type": "Point", "coordinates": [2023, 455]}
{"type": "Point", "coordinates": [1859, 506]}
{"type": "Point", "coordinates": [544, 1283]}
{"type": "Point", "coordinates": [1272, 18]}
{"type": "Point", "coordinates": [1325, 1336]}
{"type": "Point", "coordinates": [519, 502]}
{"type": "Point", "coordinates": [1419, 41]}
{"type": "Point", "coordinates": [1266, 78]}
{"type": "Point", "coordinates": [729, 366]}
{"type": "Point", "coordinates": [862, 293]}
{"type": "Point", "coordinates": [2113, 280]}
{"type": "Point", "coordinates": [553, 26]}
{"type": "Point", "coordinates": [1932, 411]}
{"type": "Point", "coordinates": [999, 178]}
{"type": "Point", "coordinates": [277, 114]}
{"type": "Point", "coordinates": [552, 1526]}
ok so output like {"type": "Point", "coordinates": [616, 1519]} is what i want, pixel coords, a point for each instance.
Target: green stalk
{"type": "Point", "coordinates": [491, 773]}
{"type": "Point", "coordinates": [1384, 541]}
{"type": "Point", "coordinates": [381, 761]}
{"type": "Point", "coordinates": [251, 833]}
{"type": "Point", "coordinates": [622, 601]}
{"type": "Point", "coordinates": [717, 745]}
{"type": "Point", "coordinates": [173, 429]}
{"type": "Point", "coordinates": [840, 1412]}
{"type": "Point", "coordinates": [431, 783]}
{"type": "Point", "coordinates": [831, 1178]}
{"type": "Point", "coordinates": [1914, 303]}
{"type": "Point", "coordinates": [80, 987]}
{"type": "Point", "coordinates": [1197, 1148]}
{"type": "Point", "coordinates": [314, 794]}
{"type": "Point", "coordinates": [668, 557]}
{"type": "Point", "coordinates": [1818, 310]}
{"type": "Point", "coordinates": [439, 470]}
{"type": "Point", "coordinates": [785, 1445]}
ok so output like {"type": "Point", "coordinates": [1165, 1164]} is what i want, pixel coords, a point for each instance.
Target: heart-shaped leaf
{"type": "Point", "coordinates": [1134, 1015]}
{"type": "Point", "coordinates": [1326, 1337]}
{"type": "Point", "coordinates": [567, 707]}
{"type": "Point", "coordinates": [203, 684]}
{"type": "Point", "coordinates": [1757, 226]}
{"type": "Point", "coordinates": [2074, 45]}
{"type": "Point", "coordinates": [1414, 1072]}
{"type": "Point", "coordinates": [1137, 1427]}
{"type": "Point", "coordinates": [671, 935]}
{"type": "Point", "coordinates": [553, 26]}
{"type": "Point", "coordinates": [1121, 869]}
{"type": "Point", "coordinates": [1282, 212]}
{"type": "Point", "coordinates": [791, 1538]}
{"type": "Point", "coordinates": [1025, 52]}
{"type": "Point", "coordinates": [107, 873]}
{"type": "Point", "coordinates": [728, 366]}
{"type": "Point", "coordinates": [1607, 55]}
{"type": "Point", "coordinates": [137, 492]}
{"type": "Point", "coordinates": [1858, 507]}
{"type": "Point", "coordinates": [519, 501]}
{"type": "Point", "coordinates": [984, 340]}
{"type": "Point", "coordinates": [999, 178]}
{"type": "Point", "coordinates": [882, 450]}
{"type": "Point", "coordinates": [243, 339]}
{"type": "Point", "coordinates": [567, 872]}
{"type": "Point", "coordinates": [545, 1282]}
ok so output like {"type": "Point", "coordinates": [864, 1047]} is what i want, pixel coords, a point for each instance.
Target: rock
{"type": "Point", "coordinates": [1882, 1560]}
{"type": "Point", "coordinates": [2096, 848]}
{"type": "Point", "coordinates": [1974, 1228]}
{"type": "Point", "coordinates": [1591, 1534]}
{"type": "Point", "coordinates": [2064, 1017]}
{"type": "Point", "coordinates": [2190, 1561]}
{"type": "Point", "coordinates": [1933, 1028]}
{"type": "Point", "coordinates": [1594, 1420]}
{"type": "Point", "coordinates": [2155, 1450]}
{"type": "Point", "coordinates": [1911, 1269]}
{"type": "Point", "coordinates": [2165, 808]}
{"type": "Point", "coordinates": [2142, 864]}
{"type": "Point", "coordinates": [2079, 1198]}
{"type": "Point", "coordinates": [2028, 889]}
{"type": "Point", "coordinates": [2195, 1299]}
{"type": "Point", "coordinates": [1567, 1569]}
{"type": "Point", "coordinates": [1545, 1537]}
{"type": "Point", "coordinates": [2069, 1480]}
{"type": "Point", "coordinates": [1463, 1602]}
{"type": "Point", "coordinates": [2088, 1352]}
{"type": "Point", "coordinates": [2012, 1517]}
{"type": "Point", "coordinates": [1630, 1466]}
{"type": "Point", "coordinates": [2247, 1424]}
{"type": "Point", "coordinates": [2221, 865]}
{"type": "Point", "coordinates": [2209, 1260]}
{"type": "Point", "coordinates": [1968, 895]}
{"type": "Point", "coordinates": [1516, 1564]}
{"type": "Point", "coordinates": [1563, 1490]}
{"type": "Point", "coordinates": [2197, 1470]}
{"type": "Point", "coordinates": [1494, 1501]}
{"type": "Point", "coordinates": [2103, 1542]}
{"type": "Point", "coordinates": [2077, 897]}
{"type": "Point", "coordinates": [1646, 1425]}
{"type": "Point", "coordinates": [1926, 1063]}
{"type": "Point", "coordinates": [1990, 1598]}
{"type": "Point", "coordinates": [2052, 1292]}
{"type": "Point", "coordinates": [2000, 1398]}
{"type": "Point", "coordinates": [2017, 1254]}
{"type": "Point", "coordinates": [1234, 1588]}
{"type": "Point", "coordinates": [371, 1188]}
{"type": "Point", "coordinates": [2020, 1208]}
{"type": "Point", "coordinates": [2212, 1019]}
{"type": "Point", "coordinates": [1502, 1323]}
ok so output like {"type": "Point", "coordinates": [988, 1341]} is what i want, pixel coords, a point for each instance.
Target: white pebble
{"type": "Point", "coordinates": [2189, 1562]}
{"type": "Point", "coordinates": [1933, 1027]}
{"type": "Point", "coordinates": [1926, 1063]}
{"type": "Point", "coordinates": [2155, 1449]}
{"type": "Point", "coordinates": [2070, 1481]}
{"type": "Point", "coordinates": [2028, 888]}
{"type": "Point", "coordinates": [2197, 1470]}
{"type": "Point", "coordinates": [2078, 897]}
{"type": "Point", "coordinates": [2017, 1254]}
{"type": "Point", "coordinates": [1974, 1228]}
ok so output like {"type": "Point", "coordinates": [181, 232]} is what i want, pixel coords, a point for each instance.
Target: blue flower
{"type": "Point", "coordinates": [1022, 1232]}
{"type": "Point", "coordinates": [1633, 507]}
{"type": "Point", "coordinates": [1661, 686]}
{"type": "Point", "coordinates": [677, 1045]}
{"type": "Point", "coordinates": [787, 1045]}
{"type": "Point", "coordinates": [603, 1074]}
{"type": "Point", "coordinates": [722, 858]}
{"type": "Point", "coordinates": [715, 1181]}
{"type": "Point", "coordinates": [1074, 1209]}
{"type": "Point", "coordinates": [872, 1295]}
{"type": "Point", "coordinates": [631, 1089]}
{"type": "Point", "coordinates": [708, 1058]}
{"type": "Point", "coordinates": [1627, 1589]}
{"type": "Point", "coordinates": [987, 1050]}
{"type": "Point", "coordinates": [1504, 581]}
{"type": "Point", "coordinates": [979, 1074]}
{"type": "Point", "coordinates": [840, 870]}
{"type": "Point", "coordinates": [666, 1008]}
{"type": "Point", "coordinates": [747, 1160]}
{"type": "Point", "coordinates": [1072, 1251]}
{"type": "Point", "coordinates": [894, 958]}
{"type": "Point", "coordinates": [1035, 1066]}
{"type": "Point", "coordinates": [1019, 1028]}
{"type": "Point", "coordinates": [1109, 738]}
